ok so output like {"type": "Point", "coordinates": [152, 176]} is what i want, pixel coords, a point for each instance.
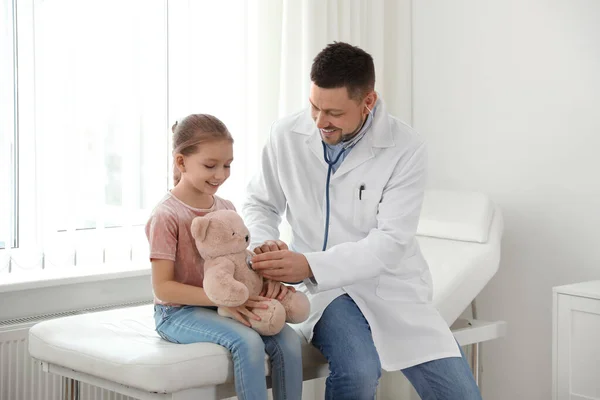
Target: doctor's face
{"type": "Point", "coordinates": [338, 116]}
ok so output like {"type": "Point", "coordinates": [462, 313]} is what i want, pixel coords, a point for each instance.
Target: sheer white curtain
{"type": "Point", "coordinates": [101, 82]}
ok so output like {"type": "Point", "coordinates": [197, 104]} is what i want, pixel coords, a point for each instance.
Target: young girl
{"type": "Point", "coordinates": [202, 153]}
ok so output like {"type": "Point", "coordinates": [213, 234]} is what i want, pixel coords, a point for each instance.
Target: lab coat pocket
{"type": "Point", "coordinates": [366, 203]}
{"type": "Point", "coordinates": [407, 285]}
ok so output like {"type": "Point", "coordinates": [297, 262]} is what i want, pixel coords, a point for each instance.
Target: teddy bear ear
{"type": "Point", "coordinates": [200, 227]}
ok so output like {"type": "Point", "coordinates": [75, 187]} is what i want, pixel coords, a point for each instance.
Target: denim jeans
{"type": "Point", "coordinates": [190, 324]}
{"type": "Point", "coordinates": [344, 337]}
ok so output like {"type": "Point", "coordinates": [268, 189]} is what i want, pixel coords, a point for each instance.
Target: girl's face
{"type": "Point", "coordinates": [207, 169]}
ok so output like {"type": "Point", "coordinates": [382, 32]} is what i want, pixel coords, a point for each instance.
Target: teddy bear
{"type": "Point", "coordinates": [222, 240]}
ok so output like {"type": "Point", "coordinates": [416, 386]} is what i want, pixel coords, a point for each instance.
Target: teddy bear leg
{"type": "Point", "coordinates": [297, 307]}
{"type": "Point", "coordinates": [272, 319]}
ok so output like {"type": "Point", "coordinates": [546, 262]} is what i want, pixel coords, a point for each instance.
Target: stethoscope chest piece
{"type": "Point", "coordinates": [249, 261]}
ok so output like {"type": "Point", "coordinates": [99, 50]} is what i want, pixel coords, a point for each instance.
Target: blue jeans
{"type": "Point", "coordinates": [190, 324]}
{"type": "Point", "coordinates": [344, 337]}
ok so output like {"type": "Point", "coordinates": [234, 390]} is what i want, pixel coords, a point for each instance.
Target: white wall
{"type": "Point", "coordinates": [508, 95]}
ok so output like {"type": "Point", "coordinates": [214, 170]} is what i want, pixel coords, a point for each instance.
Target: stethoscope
{"type": "Point", "coordinates": [330, 164]}
{"type": "Point", "coordinates": [329, 170]}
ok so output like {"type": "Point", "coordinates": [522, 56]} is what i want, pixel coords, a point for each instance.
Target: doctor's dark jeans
{"type": "Point", "coordinates": [191, 324]}
{"type": "Point", "coordinates": [344, 337]}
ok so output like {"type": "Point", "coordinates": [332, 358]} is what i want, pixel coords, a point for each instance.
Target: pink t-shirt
{"type": "Point", "coordinates": [170, 238]}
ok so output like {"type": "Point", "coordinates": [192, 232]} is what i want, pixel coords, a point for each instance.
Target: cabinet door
{"type": "Point", "coordinates": [577, 348]}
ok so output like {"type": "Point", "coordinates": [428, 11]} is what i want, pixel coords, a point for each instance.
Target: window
{"type": "Point", "coordinates": [89, 148]}
{"type": "Point", "coordinates": [86, 142]}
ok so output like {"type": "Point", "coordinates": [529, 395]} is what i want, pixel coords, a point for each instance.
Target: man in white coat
{"type": "Point", "coordinates": [349, 178]}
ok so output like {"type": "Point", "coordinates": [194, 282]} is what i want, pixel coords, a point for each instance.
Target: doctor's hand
{"type": "Point", "coordinates": [282, 265]}
{"type": "Point", "coordinates": [271, 245]}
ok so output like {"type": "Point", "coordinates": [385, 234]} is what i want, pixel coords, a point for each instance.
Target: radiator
{"type": "Point", "coordinates": [22, 378]}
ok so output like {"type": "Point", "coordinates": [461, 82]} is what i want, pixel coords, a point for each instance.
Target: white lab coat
{"type": "Point", "coordinates": [372, 253]}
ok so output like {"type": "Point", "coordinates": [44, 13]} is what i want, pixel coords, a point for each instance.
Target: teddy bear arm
{"type": "Point", "coordinates": [220, 285]}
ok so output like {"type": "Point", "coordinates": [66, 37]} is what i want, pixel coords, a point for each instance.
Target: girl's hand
{"type": "Point", "coordinates": [274, 289]}
{"type": "Point", "coordinates": [243, 314]}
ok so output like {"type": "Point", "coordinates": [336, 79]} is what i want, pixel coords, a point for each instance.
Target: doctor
{"type": "Point", "coordinates": [349, 178]}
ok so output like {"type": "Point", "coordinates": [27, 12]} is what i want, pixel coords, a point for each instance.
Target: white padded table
{"type": "Point", "coordinates": [121, 346]}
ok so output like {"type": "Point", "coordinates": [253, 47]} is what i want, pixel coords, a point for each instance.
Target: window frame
{"type": "Point", "coordinates": [9, 127]}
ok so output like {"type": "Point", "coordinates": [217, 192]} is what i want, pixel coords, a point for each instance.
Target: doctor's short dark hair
{"type": "Point", "coordinates": [343, 65]}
